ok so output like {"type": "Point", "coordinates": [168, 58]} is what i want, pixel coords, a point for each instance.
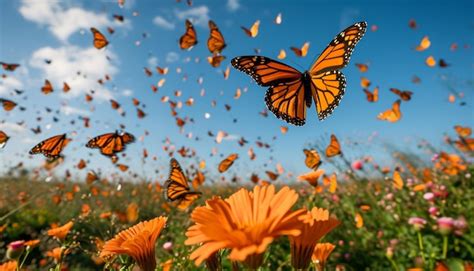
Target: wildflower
{"type": "Point", "coordinates": [357, 165]}
{"type": "Point", "coordinates": [168, 246]}
{"type": "Point", "coordinates": [32, 243]}
{"type": "Point", "coordinates": [417, 222]}
{"type": "Point", "coordinates": [61, 232]}
{"type": "Point", "coordinates": [137, 242]}
{"type": "Point", "coordinates": [15, 249]}
{"type": "Point", "coordinates": [314, 225]}
{"type": "Point", "coordinates": [445, 224]}
{"type": "Point", "coordinates": [57, 253]}
{"type": "Point", "coordinates": [9, 266]}
{"type": "Point", "coordinates": [460, 225]}
{"type": "Point", "coordinates": [321, 253]}
{"type": "Point", "coordinates": [246, 223]}
{"type": "Point", "coordinates": [429, 196]}
{"type": "Point", "coordinates": [433, 211]}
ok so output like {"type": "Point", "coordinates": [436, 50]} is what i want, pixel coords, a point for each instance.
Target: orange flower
{"type": "Point", "coordinates": [314, 225]}
{"type": "Point", "coordinates": [321, 253]}
{"type": "Point", "coordinates": [8, 266]}
{"type": "Point", "coordinates": [32, 243]}
{"type": "Point", "coordinates": [61, 232]}
{"type": "Point", "coordinates": [246, 222]}
{"type": "Point", "coordinates": [57, 253]}
{"type": "Point", "coordinates": [137, 242]}
{"type": "Point", "coordinates": [450, 164]}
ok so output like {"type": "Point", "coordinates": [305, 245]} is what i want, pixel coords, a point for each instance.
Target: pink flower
{"type": "Point", "coordinates": [433, 211]}
{"type": "Point", "coordinates": [460, 225]}
{"type": "Point", "coordinates": [357, 165]}
{"type": "Point", "coordinates": [429, 196]}
{"type": "Point", "coordinates": [445, 224]}
{"type": "Point", "coordinates": [435, 157]}
{"type": "Point", "coordinates": [168, 246]}
{"type": "Point", "coordinates": [17, 244]}
{"type": "Point", "coordinates": [15, 249]}
{"type": "Point", "coordinates": [417, 222]}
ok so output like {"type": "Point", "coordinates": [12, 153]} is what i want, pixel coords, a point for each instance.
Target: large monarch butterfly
{"type": "Point", "coordinates": [291, 91]}
{"type": "Point", "coordinates": [225, 164]}
{"type": "Point", "coordinates": [9, 66]}
{"type": "Point", "coordinates": [100, 41]}
{"type": "Point", "coordinates": [51, 147]}
{"type": "Point", "coordinates": [111, 143]}
{"type": "Point", "coordinates": [189, 38]}
{"type": "Point", "coordinates": [3, 139]}
{"type": "Point", "coordinates": [177, 187]}
{"type": "Point", "coordinates": [7, 104]}
{"type": "Point", "coordinates": [334, 148]}
{"type": "Point", "coordinates": [216, 42]}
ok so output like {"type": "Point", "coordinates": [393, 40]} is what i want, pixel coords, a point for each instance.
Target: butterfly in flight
{"type": "Point", "coordinates": [189, 38]}
{"type": "Point", "coordinates": [111, 143]}
{"type": "Point", "coordinates": [51, 147]}
{"type": "Point", "coordinates": [177, 187]}
{"type": "Point", "coordinates": [100, 41]}
{"type": "Point", "coordinates": [216, 42]}
{"type": "Point", "coordinates": [291, 91]}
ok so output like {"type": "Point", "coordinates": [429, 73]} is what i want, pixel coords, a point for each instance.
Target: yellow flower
{"type": "Point", "coordinates": [246, 222]}
{"type": "Point", "coordinates": [314, 225]}
{"type": "Point", "coordinates": [137, 242]}
{"type": "Point", "coordinates": [321, 253]}
{"type": "Point", "coordinates": [61, 232]}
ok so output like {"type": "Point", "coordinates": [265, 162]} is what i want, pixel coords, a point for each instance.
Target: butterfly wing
{"type": "Point", "coordinates": [105, 143]}
{"type": "Point", "coordinates": [216, 42]}
{"type": "Point", "coordinates": [225, 164]}
{"type": "Point", "coordinates": [334, 147]}
{"type": "Point", "coordinates": [7, 104]}
{"type": "Point", "coordinates": [328, 84]}
{"type": "Point", "coordinates": [189, 38]}
{"type": "Point", "coordinates": [51, 147]}
{"type": "Point", "coordinates": [313, 160]}
{"type": "Point", "coordinates": [100, 41]}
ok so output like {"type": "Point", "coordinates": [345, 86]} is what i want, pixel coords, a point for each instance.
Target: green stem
{"type": "Point", "coordinates": [394, 265]}
{"type": "Point", "coordinates": [420, 244]}
{"type": "Point", "coordinates": [24, 259]}
{"type": "Point", "coordinates": [445, 246]}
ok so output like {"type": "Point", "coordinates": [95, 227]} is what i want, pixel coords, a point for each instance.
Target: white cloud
{"type": "Point", "coordinates": [152, 61]}
{"type": "Point", "coordinates": [127, 92]}
{"type": "Point", "coordinates": [70, 110]}
{"type": "Point", "coordinates": [67, 61]}
{"type": "Point", "coordinates": [172, 57]}
{"type": "Point", "coordinates": [163, 23]}
{"type": "Point", "coordinates": [233, 5]}
{"type": "Point", "coordinates": [198, 15]}
{"type": "Point", "coordinates": [12, 127]}
{"type": "Point", "coordinates": [8, 84]}
{"type": "Point", "coordinates": [64, 21]}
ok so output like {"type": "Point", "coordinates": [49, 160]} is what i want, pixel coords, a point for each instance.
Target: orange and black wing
{"type": "Point", "coordinates": [286, 94]}
{"type": "Point", "coordinates": [9, 66]}
{"type": "Point", "coordinates": [328, 84]}
{"type": "Point", "coordinates": [7, 104]}
{"type": "Point", "coordinates": [177, 187]}
{"type": "Point", "coordinates": [189, 38]}
{"type": "Point", "coordinates": [334, 147]}
{"type": "Point", "coordinates": [100, 41]}
{"type": "Point", "coordinates": [216, 42]}
{"type": "Point", "coordinates": [51, 147]}
{"type": "Point", "coordinates": [3, 139]}
{"type": "Point", "coordinates": [105, 142]}
{"type": "Point", "coordinates": [47, 87]}
{"type": "Point", "coordinates": [225, 164]}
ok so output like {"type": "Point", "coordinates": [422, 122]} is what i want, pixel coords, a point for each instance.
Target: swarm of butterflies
{"type": "Point", "coordinates": [289, 93]}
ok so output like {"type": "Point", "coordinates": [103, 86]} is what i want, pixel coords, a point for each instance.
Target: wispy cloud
{"type": "Point", "coordinates": [163, 23]}
{"type": "Point", "coordinates": [12, 127]}
{"type": "Point", "coordinates": [233, 5]}
{"type": "Point", "coordinates": [172, 57]}
{"type": "Point", "coordinates": [70, 110]}
{"type": "Point", "coordinates": [198, 15]}
{"type": "Point", "coordinates": [9, 83]}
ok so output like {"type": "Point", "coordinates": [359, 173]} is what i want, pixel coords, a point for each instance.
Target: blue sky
{"type": "Point", "coordinates": [34, 30]}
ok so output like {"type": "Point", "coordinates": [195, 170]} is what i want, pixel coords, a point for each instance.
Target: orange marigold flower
{"type": "Point", "coordinates": [61, 232]}
{"type": "Point", "coordinates": [246, 222]}
{"type": "Point", "coordinates": [8, 266]}
{"type": "Point", "coordinates": [32, 243]}
{"type": "Point", "coordinates": [314, 225]}
{"type": "Point", "coordinates": [321, 253]}
{"type": "Point", "coordinates": [57, 253]}
{"type": "Point", "coordinates": [137, 242]}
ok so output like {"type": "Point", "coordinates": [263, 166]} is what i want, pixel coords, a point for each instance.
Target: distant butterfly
{"type": "Point", "coordinates": [177, 187]}
{"type": "Point", "coordinates": [291, 91]}
{"type": "Point", "coordinates": [216, 60]}
{"type": "Point", "coordinates": [463, 131]}
{"type": "Point", "coordinates": [391, 115]}
{"type": "Point", "coordinates": [51, 147]}
{"type": "Point", "coordinates": [3, 139]}
{"type": "Point", "coordinates": [397, 180]}
{"type": "Point", "coordinates": [216, 42]}
{"type": "Point", "coordinates": [9, 66]}
{"type": "Point", "coordinates": [312, 177]}
{"type": "Point", "coordinates": [100, 41]}
{"type": "Point", "coordinates": [189, 38]}
{"type": "Point", "coordinates": [272, 175]}
{"type": "Point", "coordinates": [334, 148]}
{"type": "Point", "coordinates": [312, 160]}
{"type": "Point", "coordinates": [405, 95]}
{"type": "Point", "coordinates": [111, 143]}
{"type": "Point", "coordinates": [301, 52]}
{"type": "Point", "coordinates": [253, 31]}
{"type": "Point", "coordinates": [66, 87]}
{"type": "Point", "coordinates": [362, 67]}
{"type": "Point", "coordinates": [7, 104]}
{"type": "Point", "coordinates": [47, 88]}
{"type": "Point", "coordinates": [372, 96]}
{"type": "Point", "coordinates": [225, 164]}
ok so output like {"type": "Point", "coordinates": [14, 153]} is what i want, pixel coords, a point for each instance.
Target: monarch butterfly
{"type": "Point", "coordinates": [272, 175]}
{"type": "Point", "coordinates": [253, 31]}
{"type": "Point", "coordinates": [3, 139]}
{"type": "Point", "coordinates": [405, 95]}
{"type": "Point", "coordinates": [216, 42]}
{"type": "Point", "coordinates": [115, 105]}
{"type": "Point", "coordinates": [391, 115]}
{"type": "Point", "coordinates": [225, 164]}
{"type": "Point", "coordinates": [372, 96]}
{"type": "Point", "coordinates": [47, 87]}
{"type": "Point", "coordinates": [111, 143]}
{"type": "Point", "coordinates": [91, 177]}
{"type": "Point", "coordinates": [7, 104]}
{"type": "Point", "coordinates": [463, 131]}
{"type": "Point", "coordinates": [162, 70]}
{"type": "Point", "coordinates": [291, 91]}
{"type": "Point", "coordinates": [216, 60]}
{"type": "Point", "coordinates": [189, 38]}
{"type": "Point", "coordinates": [397, 180]}
{"type": "Point", "coordinates": [51, 147]}
{"type": "Point", "coordinates": [312, 177]}
{"type": "Point", "coordinates": [66, 87]}
{"type": "Point", "coordinates": [334, 147]}
{"type": "Point", "coordinates": [100, 41]}
{"type": "Point", "coordinates": [313, 160]}
{"type": "Point", "coordinates": [177, 187]}
{"type": "Point", "coordinates": [9, 66]}
{"type": "Point", "coordinates": [82, 164]}
{"type": "Point", "coordinates": [362, 67]}
{"type": "Point", "coordinates": [198, 179]}
{"type": "Point", "coordinates": [301, 52]}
